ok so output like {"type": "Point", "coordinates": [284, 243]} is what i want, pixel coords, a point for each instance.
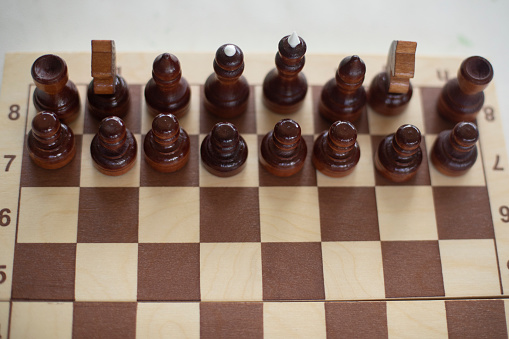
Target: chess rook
{"type": "Point", "coordinates": [399, 155]}
{"type": "Point", "coordinates": [227, 90]}
{"type": "Point", "coordinates": [113, 148]}
{"type": "Point", "coordinates": [166, 145]}
{"type": "Point", "coordinates": [462, 98]}
{"type": "Point", "coordinates": [343, 97]}
{"type": "Point", "coordinates": [336, 151]}
{"type": "Point", "coordinates": [51, 144]}
{"type": "Point", "coordinates": [283, 151]}
{"type": "Point", "coordinates": [107, 93]}
{"type": "Point", "coordinates": [55, 92]}
{"type": "Point", "coordinates": [224, 151]}
{"type": "Point", "coordinates": [167, 91]}
{"type": "Point", "coordinates": [454, 151]}
{"type": "Point", "coordinates": [285, 87]}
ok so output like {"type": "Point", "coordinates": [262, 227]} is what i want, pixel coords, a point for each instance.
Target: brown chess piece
{"type": "Point", "coordinates": [224, 151]}
{"type": "Point", "coordinates": [336, 151]}
{"type": "Point", "coordinates": [227, 90]}
{"type": "Point", "coordinates": [283, 151]}
{"type": "Point", "coordinates": [399, 155]}
{"type": "Point", "coordinates": [343, 97]}
{"type": "Point", "coordinates": [166, 145]}
{"type": "Point", "coordinates": [51, 144]}
{"type": "Point", "coordinates": [114, 147]}
{"type": "Point", "coordinates": [391, 91]}
{"type": "Point", "coordinates": [55, 92]}
{"type": "Point", "coordinates": [108, 93]}
{"type": "Point", "coordinates": [167, 91]}
{"type": "Point", "coordinates": [454, 151]}
{"type": "Point", "coordinates": [462, 98]}
{"type": "Point", "coordinates": [285, 87]}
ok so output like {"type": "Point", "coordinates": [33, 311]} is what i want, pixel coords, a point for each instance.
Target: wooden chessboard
{"type": "Point", "coordinates": [189, 254]}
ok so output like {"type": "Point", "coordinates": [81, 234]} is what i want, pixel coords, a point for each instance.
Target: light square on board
{"type": "Point", "coordinates": [166, 320]}
{"type": "Point", "coordinates": [91, 177]}
{"type": "Point", "coordinates": [41, 320]}
{"type": "Point", "coordinates": [362, 175]}
{"type": "Point", "coordinates": [289, 214]}
{"type": "Point", "coordinates": [106, 272]}
{"type": "Point", "coordinates": [356, 319]}
{"type": "Point", "coordinates": [48, 215]}
{"type": "Point", "coordinates": [417, 319]}
{"type": "Point", "coordinates": [353, 270]}
{"type": "Point", "coordinates": [469, 268]}
{"type": "Point", "coordinates": [231, 320]}
{"type": "Point", "coordinates": [104, 320]}
{"type": "Point", "coordinates": [474, 176]}
{"type": "Point", "coordinates": [406, 213]}
{"type": "Point", "coordinates": [266, 119]}
{"type": "Point", "coordinates": [169, 215]}
{"type": "Point", "coordinates": [384, 125]}
{"type": "Point", "coordinates": [294, 320]}
{"type": "Point", "coordinates": [248, 177]}
{"type": "Point", "coordinates": [230, 271]}
{"type": "Point", "coordinates": [5, 310]}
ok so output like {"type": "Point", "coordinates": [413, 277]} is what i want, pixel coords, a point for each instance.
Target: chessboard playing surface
{"type": "Point", "coordinates": [189, 254]}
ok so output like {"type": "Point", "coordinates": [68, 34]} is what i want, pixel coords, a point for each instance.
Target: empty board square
{"type": "Point", "coordinates": [422, 177]}
{"type": "Point", "coordinates": [5, 312]}
{"type": "Point", "coordinates": [406, 213]}
{"type": "Point", "coordinates": [108, 215]}
{"type": "Point", "coordinates": [168, 320]}
{"type": "Point", "coordinates": [305, 177]}
{"type": "Point", "coordinates": [322, 124]}
{"type": "Point", "coordinates": [356, 319]}
{"type": "Point", "coordinates": [433, 122]}
{"type": "Point", "coordinates": [229, 214]}
{"type": "Point", "coordinates": [463, 213]}
{"type": "Point", "coordinates": [35, 176]}
{"type": "Point", "coordinates": [348, 214]}
{"type": "Point", "coordinates": [104, 320]}
{"type": "Point", "coordinates": [412, 269]}
{"type": "Point", "coordinates": [289, 214]}
{"type": "Point", "coordinates": [230, 272]}
{"type": "Point", "coordinates": [294, 320]}
{"type": "Point", "coordinates": [231, 320]}
{"type": "Point", "coordinates": [132, 119]}
{"type": "Point", "coordinates": [417, 319]}
{"type": "Point", "coordinates": [292, 271]}
{"type": "Point", "coordinates": [169, 215]}
{"type": "Point", "coordinates": [245, 123]}
{"type": "Point", "coordinates": [353, 270]}
{"type": "Point", "coordinates": [476, 318]}
{"type": "Point", "coordinates": [106, 272]}
{"type": "Point", "coordinates": [470, 267]}
{"type": "Point", "coordinates": [41, 320]}
{"type": "Point", "coordinates": [168, 272]}
{"type": "Point", "coordinates": [188, 175]}
{"type": "Point", "coordinates": [48, 215]}
{"type": "Point", "coordinates": [44, 271]}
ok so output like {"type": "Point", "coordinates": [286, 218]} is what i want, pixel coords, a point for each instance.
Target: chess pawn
{"type": "Point", "coordinates": [454, 151]}
{"type": "Point", "coordinates": [399, 155]}
{"type": "Point", "coordinates": [51, 144]}
{"type": "Point", "coordinates": [462, 98]}
{"type": "Point", "coordinates": [224, 151]}
{"type": "Point", "coordinates": [343, 97]}
{"type": "Point", "coordinates": [167, 91]}
{"type": "Point", "coordinates": [113, 148]}
{"type": "Point", "coordinates": [285, 87]}
{"type": "Point", "coordinates": [166, 145]}
{"type": "Point", "coordinates": [227, 90]}
{"type": "Point", "coordinates": [283, 151]}
{"type": "Point", "coordinates": [55, 92]}
{"type": "Point", "coordinates": [336, 151]}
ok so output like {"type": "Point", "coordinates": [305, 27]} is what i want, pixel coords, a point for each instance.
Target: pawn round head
{"type": "Point", "coordinates": [165, 126]}
{"type": "Point", "coordinates": [112, 130]}
{"type": "Point", "coordinates": [287, 132]}
{"type": "Point", "coordinates": [343, 134]}
{"type": "Point", "coordinates": [166, 68]}
{"type": "Point", "coordinates": [224, 135]}
{"type": "Point", "coordinates": [45, 124]}
{"type": "Point", "coordinates": [408, 137]}
{"type": "Point", "coordinates": [465, 134]}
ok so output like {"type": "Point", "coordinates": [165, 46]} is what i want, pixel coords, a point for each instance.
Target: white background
{"type": "Point", "coordinates": [452, 28]}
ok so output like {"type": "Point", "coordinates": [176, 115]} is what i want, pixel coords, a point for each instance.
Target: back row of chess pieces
{"type": "Point", "coordinates": [283, 151]}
